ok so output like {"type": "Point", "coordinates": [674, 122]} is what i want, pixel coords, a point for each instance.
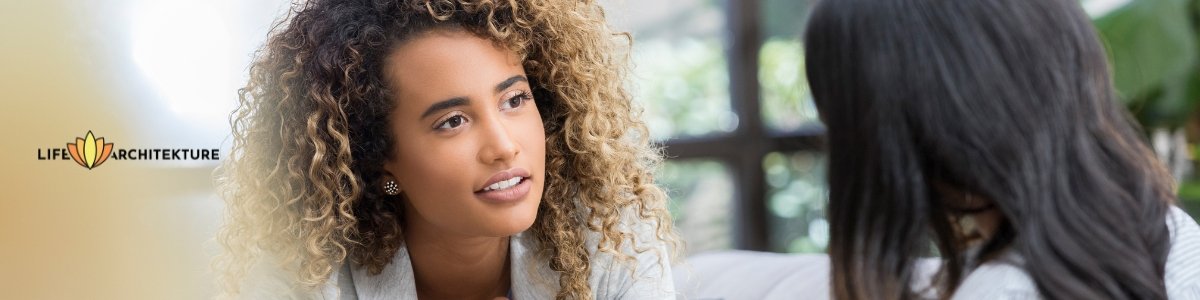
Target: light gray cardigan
{"type": "Point", "coordinates": [531, 276]}
{"type": "Point", "coordinates": [648, 277]}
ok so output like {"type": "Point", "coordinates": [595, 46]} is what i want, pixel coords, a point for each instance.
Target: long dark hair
{"type": "Point", "coordinates": [1009, 100]}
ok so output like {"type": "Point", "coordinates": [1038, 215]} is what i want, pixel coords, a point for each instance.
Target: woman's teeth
{"type": "Point", "coordinates": [504, 184]}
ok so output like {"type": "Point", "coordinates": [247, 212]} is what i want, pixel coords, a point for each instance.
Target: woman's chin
{"type": "Point", "coordinates": [511, 226]}
{"type": "Point", "coordinates": [516, 227]}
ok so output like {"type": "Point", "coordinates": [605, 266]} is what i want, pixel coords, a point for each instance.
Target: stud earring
{"type": "Point", "coordinates": [391, 188]}
{"type": "Point", "coordinates": [966, 224]}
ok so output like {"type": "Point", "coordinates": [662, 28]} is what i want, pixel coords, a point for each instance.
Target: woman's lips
{"type": "Point", "coordinates": [507, 194]}
{"type": "Point", "coordinates": [502, 176]}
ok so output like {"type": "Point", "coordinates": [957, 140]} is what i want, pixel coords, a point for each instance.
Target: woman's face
{"type": "Point", "coordinates": [470, 146]}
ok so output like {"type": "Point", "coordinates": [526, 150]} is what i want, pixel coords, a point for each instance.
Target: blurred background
{"type": "Point", "coordinates": [724, 88]}
{"type": "Point", "coordinates": [722, 84]}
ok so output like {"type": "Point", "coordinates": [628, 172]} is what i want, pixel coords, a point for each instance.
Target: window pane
{"type": "Point", "coordinates": [701, 201]}
{"type": "Point", "coordinates": [796, 199]}
{"type": "Point", "coordinates": [1099, 8]}
{"type": "Point", "coordinates": [680, 76]}
{"type": "Point", "coordinates": [786, 101]}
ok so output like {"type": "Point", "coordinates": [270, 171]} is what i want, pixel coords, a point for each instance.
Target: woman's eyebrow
{"type": "Point", "coordinates": [463, 101]}
{"type": "Point", "coordinates": [503, 85]}
{"type": "Point", "coordinates": [445, 104]}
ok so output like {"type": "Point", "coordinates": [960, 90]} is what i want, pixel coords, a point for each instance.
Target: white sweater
{"type": "Point", "coordinates": [1001, 279]}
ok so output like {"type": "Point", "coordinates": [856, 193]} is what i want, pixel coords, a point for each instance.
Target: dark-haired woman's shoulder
{"type": "Point", "coordinates": [1183, 263]}
{"type": "Point", "coordinates": [1002, 278]}
{"type": "Point", "coordinates": [1005, 279]}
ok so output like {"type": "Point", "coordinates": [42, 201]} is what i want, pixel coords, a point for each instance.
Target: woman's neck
{"type": "Point", "coordinates": [450, 266]}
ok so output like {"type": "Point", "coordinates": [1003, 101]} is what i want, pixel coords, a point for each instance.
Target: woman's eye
{"type": "Point", "coordinates": [516, 101]}
{"type": "Point", "coordinates": [452, 122]}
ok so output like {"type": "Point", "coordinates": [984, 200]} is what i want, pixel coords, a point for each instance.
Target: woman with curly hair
{"type": "Point", "coordinates": [443, 150]}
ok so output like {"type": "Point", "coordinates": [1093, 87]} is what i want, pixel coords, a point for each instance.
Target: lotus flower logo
{"type": "Point", "coordinates": [89, 151]}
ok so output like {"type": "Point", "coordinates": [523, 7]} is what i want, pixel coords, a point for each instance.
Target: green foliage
{"type": "Point", "coordinates": [1152, 46]}
{"type": "Point", "coordinates": [786, 101]}
{"type": "Point", "coordinates": [1154, 51]}
{"type": "Point", "coordinates": [684, 87]}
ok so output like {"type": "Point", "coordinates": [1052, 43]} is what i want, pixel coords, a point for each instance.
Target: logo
{"type": "Point", "coordinates": [90, 152]}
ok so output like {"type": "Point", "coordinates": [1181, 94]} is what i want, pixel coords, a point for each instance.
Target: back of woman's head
{"type": "Point", "coordinates": [1009, 100]}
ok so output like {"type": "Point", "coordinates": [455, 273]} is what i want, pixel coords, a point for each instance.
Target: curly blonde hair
{"type": "Point", "coordinates": [311, 135]}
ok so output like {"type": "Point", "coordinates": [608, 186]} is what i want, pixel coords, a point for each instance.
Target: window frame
{"type": "Point", "coordinates": [744, 149]}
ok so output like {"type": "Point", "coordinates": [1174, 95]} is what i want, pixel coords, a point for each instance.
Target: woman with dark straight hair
{"type": "Point", "coordinates": [992, 129]}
